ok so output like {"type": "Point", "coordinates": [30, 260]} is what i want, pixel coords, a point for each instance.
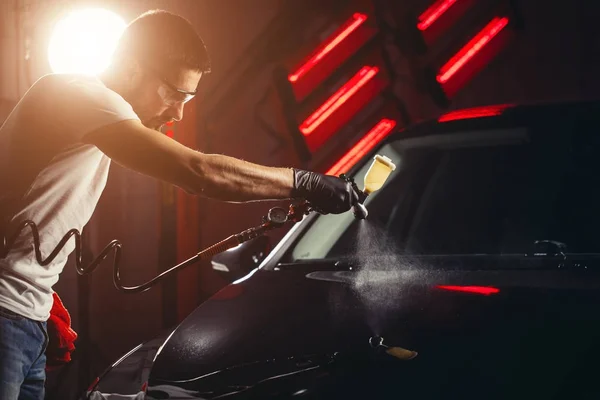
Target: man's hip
{"type": "Point", "coordinates": [23, 343]}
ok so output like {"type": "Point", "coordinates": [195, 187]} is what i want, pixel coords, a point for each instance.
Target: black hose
{"type": "Point", "coordinates": [115, 245]}
{"type": "Point", "coordinates": [295, 214]}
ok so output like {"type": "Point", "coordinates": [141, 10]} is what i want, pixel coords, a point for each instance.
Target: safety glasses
{"type": "Point", "coordinates": [170, 94]}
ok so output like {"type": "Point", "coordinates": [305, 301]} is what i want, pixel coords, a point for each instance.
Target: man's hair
{"type": "Point", "coordinates": [165, 40]}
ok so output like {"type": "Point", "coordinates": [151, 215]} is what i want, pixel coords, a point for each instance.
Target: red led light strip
{"type": "Point", "coordinates": [433, 13]}
{"type": "Point", "coordinates": [350, 26]}
{"type": "Point", "coordinates": [337, 99]}
{"type": "Point", "coordinates": [477, 112]}
{"type": "Point", "coordinates": [471, 48]}
{"type": "Point", "coordinates": [374, 136]}
{"type": "Point", "coordinates": [485, 290]}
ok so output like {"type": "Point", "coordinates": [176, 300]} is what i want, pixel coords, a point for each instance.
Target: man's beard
{"type": "Point", "coordinates": [155, 124]}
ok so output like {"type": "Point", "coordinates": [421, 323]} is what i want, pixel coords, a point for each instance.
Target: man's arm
{"type": "Point", "coordinates": [146, 151]}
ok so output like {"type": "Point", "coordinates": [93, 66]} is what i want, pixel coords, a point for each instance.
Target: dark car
{"type": "Point", "coordinates": [476, 275]}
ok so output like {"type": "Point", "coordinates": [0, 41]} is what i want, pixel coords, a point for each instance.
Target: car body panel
{"type": "Point", "coordinates": [510, 326]}
{"type": "Point", "coordinates": [507, 344]}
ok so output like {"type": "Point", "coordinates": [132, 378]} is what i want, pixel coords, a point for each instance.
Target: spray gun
{"type": "Point", "coordinates": [378, 172]}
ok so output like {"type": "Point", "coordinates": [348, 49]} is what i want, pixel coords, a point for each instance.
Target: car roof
{"type": "Point", "coordinates": [495, 116]}
{"type": "Point", "coordinates": [501, 115]}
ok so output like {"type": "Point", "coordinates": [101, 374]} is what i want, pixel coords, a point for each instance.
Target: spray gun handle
{"type": "Point", "coordinates": [361, 195]}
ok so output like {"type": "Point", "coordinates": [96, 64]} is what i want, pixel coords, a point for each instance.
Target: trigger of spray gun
{"type": "Point", "coordinates": [358, 208]}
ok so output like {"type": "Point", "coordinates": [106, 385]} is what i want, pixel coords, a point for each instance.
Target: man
{"type": "Point", "coordinates": [55, 151]}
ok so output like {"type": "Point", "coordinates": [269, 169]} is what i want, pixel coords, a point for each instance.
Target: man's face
{"type": "Point", "coordinates": [158, 98]}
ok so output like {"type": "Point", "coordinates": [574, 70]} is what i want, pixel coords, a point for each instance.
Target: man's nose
{"type": "Point", "coordinates": [176, 112]}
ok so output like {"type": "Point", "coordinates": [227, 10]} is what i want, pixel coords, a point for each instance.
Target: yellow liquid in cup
{"type": "Point", "coordinates": [378, 173]}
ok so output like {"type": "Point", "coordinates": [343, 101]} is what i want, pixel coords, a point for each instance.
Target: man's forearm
{"type": "Point", "coordinates": [213, 175]}
{"type": "Point", "coordinates": [230, 179]}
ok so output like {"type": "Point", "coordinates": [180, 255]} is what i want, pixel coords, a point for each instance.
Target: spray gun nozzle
{"type": "Point", "coordinates": [360, 211]}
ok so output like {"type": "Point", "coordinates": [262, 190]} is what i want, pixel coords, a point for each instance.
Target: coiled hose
{"type": "Point", "coordinates": [115, 245]}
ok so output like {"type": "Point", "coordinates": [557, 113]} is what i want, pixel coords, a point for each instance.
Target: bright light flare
{"type": "Point", "coordinates": [83, 41]}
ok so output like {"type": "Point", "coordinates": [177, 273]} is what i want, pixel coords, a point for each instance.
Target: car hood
{"type": "Point", "coordinates": [314, 329]}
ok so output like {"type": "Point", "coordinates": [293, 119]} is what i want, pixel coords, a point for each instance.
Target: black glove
{"type": "Point", "coordinates": [326, 193]}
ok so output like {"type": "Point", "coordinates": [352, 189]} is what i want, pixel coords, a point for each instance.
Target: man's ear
{"type": "Point", "coordinates": [132, 71]}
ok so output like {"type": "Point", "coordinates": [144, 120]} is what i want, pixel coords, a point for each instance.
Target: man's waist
{"type": "Point", "coordinates": [23, 298]}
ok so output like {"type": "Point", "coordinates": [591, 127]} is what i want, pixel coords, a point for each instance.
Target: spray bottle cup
{"type": "Point", "coordinates": [378, 172]}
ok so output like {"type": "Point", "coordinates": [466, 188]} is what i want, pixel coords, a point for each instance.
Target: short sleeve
{"type": "Point", "coordinates": [84, 104]}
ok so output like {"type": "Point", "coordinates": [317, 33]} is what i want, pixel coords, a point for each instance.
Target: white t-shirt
{"type": "Point", "coordinates": [49, 176]}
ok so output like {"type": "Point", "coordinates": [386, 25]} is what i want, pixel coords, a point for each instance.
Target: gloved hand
{"type": "Point", "coordinates": [326, 193]}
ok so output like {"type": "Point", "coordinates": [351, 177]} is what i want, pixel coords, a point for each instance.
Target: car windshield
{"type": "Point", "coordinates": [475, 192]}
